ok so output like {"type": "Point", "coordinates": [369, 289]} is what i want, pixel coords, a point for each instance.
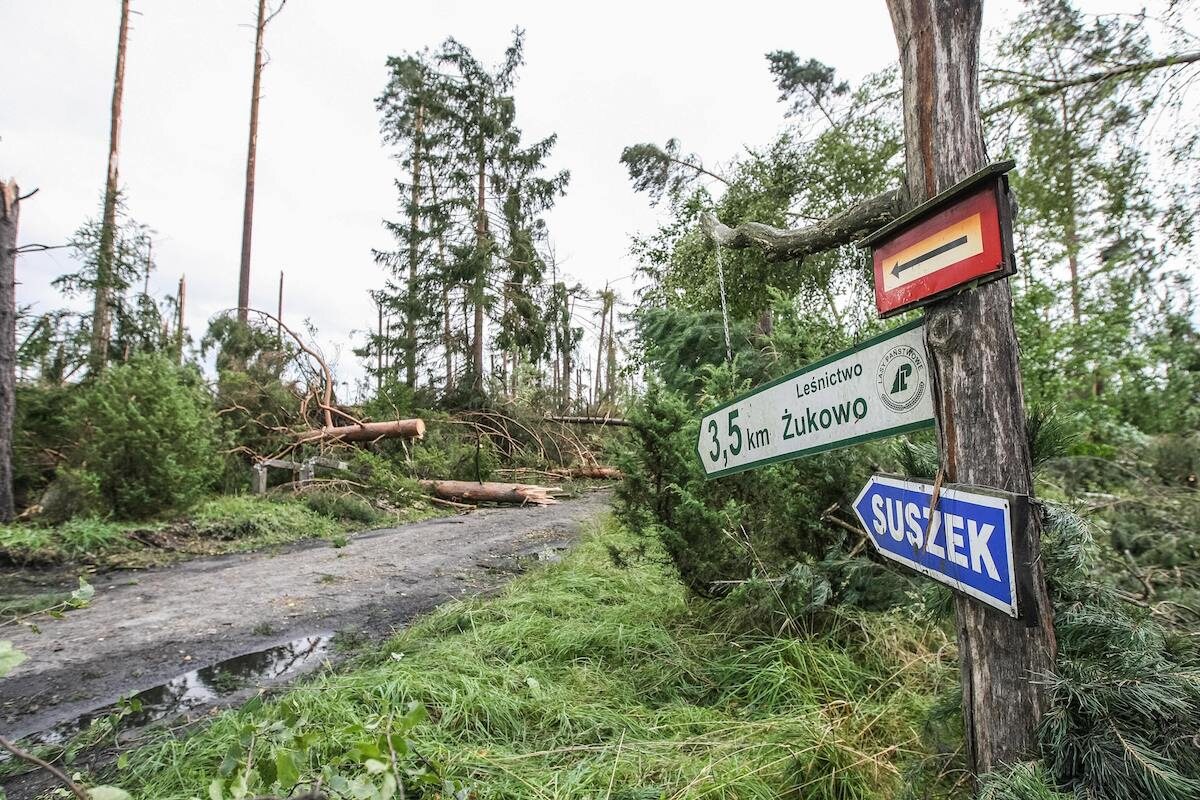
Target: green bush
{"type": "Point", "coordinates": [147, 429]}
{"type": "Point", "coordinates": [759, 523]}
{"type": "Point", "coordinates": [41, 435]}
{"type": "Point", "coordinates": [74, 493]}
{"type": "Point", "coordinates": [342, 507]}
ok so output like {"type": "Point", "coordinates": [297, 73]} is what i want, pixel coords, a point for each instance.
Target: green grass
{"type": "Point", "coordinates": [586, 680]}
{"type": "Point", "coordinates": [224, 524]}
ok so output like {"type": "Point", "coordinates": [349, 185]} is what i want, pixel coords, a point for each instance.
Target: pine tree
{"type": "Point", "coordinates": [474, 195]}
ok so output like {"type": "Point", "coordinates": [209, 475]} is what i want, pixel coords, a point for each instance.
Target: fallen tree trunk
{"type": "Point", "coordinates": [614, 421]}
{"type": "Point", "coordinates": [601, 473]}
{"type": "Point", "coordinates": [472, 492]}
{"type": "Point", "coordinates": [368, 431]}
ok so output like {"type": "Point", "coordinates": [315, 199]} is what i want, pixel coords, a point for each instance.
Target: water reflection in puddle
{"type": "Point", "coordinates": [199, 687]}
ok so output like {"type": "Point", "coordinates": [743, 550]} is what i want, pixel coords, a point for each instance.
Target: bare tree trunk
{"type": "Point", "coordinates": [481, 230]}
{"type": "Point", "coordinates": [565, 348]}
{"type": "Point", "coordinates": [766, 323]}
{"type": "Point", "coordinates": [504, 353]}
{"type": "Point", "coordinates": [180, 299]}
{"type": "Point", "coordinates": [973, 348]}
{"type": "Point", "coordinates": [600, 341]}
{"type": "Point", "coordinates": [279, 315]}
{"type": "Point", "coordinates": [611, 367]}
{"type": "Point", "coordinates": [101, 310]}
{"type": "Point", "coordinates": [10, 213]}
{"type": "Point", "coordinates": [251, 159]}
{"type": "Point", "coordinates": [516, 357]}
{"type": "Point", "coordinates": [379, 350]}
{"type": "Point", "coordinates": [414, 219]}
{"type": "Point", "coordinates": [446, 337]}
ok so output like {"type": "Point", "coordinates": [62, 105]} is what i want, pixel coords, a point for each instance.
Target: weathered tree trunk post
{"type": "Point", "coordinates": [10, 212]}
{"type": "Point", "coordinates": [978, 396]}
{"type": "Point", "coordinates": [101, 313]}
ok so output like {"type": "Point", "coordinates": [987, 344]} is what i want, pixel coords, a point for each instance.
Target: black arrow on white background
{"type": "Point", "coordinates": [937, 251]}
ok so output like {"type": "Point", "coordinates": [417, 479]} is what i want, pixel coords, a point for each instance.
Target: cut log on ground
{"type": "Point", "coordinates": [614, 421]}
{"type": "Point", "coordinates": [367, 431]}
{"type": "Point", "coordinates": [598, 473]}
{"type": "Point", "coordinates": [471, 492]}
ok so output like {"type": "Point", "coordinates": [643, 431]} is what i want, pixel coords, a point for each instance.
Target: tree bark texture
{"type": "Point", "coordinates": [10, 212]}
{"type": "Point", "coordinates": [251, 159]}
{"type": "Point", "coordinates": [101, 307]}
{"type": "Point", "coordinates": [977, 383]}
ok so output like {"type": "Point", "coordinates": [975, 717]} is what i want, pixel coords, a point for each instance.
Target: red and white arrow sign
{"type": "Point", "coordinates": [957, 244]}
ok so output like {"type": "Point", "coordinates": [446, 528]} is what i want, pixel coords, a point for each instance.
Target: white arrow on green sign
{"type": "Point", "coordinates": [878, 388]}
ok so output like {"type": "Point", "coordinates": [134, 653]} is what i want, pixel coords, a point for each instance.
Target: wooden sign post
{"type": "Point", "coordinates": [952, 262]}
{"type": "Point", "coordinates": [978, 396]}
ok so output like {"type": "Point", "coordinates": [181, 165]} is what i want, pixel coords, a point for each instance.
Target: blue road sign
{"type": "Point", "coordinates": [966, 544]}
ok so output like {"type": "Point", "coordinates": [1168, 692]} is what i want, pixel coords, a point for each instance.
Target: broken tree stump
{"type": "Point", "coordinates": [511, 493]}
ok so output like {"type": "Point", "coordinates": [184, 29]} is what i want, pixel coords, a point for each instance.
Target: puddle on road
{"type": "Point", "coordinates": [197, 688]}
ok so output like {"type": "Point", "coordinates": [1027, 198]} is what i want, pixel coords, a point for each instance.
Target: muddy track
{"type": "Point", "coordinates": [146, 628]}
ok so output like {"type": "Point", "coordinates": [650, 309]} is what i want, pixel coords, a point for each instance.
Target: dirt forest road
{"type": "Point", "coordinates": [148, 628]}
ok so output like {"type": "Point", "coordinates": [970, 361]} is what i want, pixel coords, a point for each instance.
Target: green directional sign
{"type": "Point", "coordinates": [878, 388]}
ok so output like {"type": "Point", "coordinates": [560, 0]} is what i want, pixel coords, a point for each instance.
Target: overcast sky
{"type": "Point", "coordinates": [601, 75]}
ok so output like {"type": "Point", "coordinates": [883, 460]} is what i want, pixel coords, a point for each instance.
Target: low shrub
{"type": "Point", "coordinates": [342, 507]}
{"type": "Point", "coordinates": [149, 433]}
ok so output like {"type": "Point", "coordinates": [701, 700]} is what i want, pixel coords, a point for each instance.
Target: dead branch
{"type": "Point", "coordinates": [854, 529]}
{"type": "Point", "coordinates": [327, 404]}
{"type": "Point", "coordinates": [1054, 87]}
{"type": "Point", "coordinates": [780, 244]}
{"type": "Point", "coordinates": [76, 789]}
{"type": "Point", "coordinates": [615, 422]}
{"type": "Point", "coordinates": [450, 503]}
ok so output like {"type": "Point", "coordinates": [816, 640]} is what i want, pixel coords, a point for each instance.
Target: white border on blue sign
{"type": "Point", "coordinates": [949, 494]}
